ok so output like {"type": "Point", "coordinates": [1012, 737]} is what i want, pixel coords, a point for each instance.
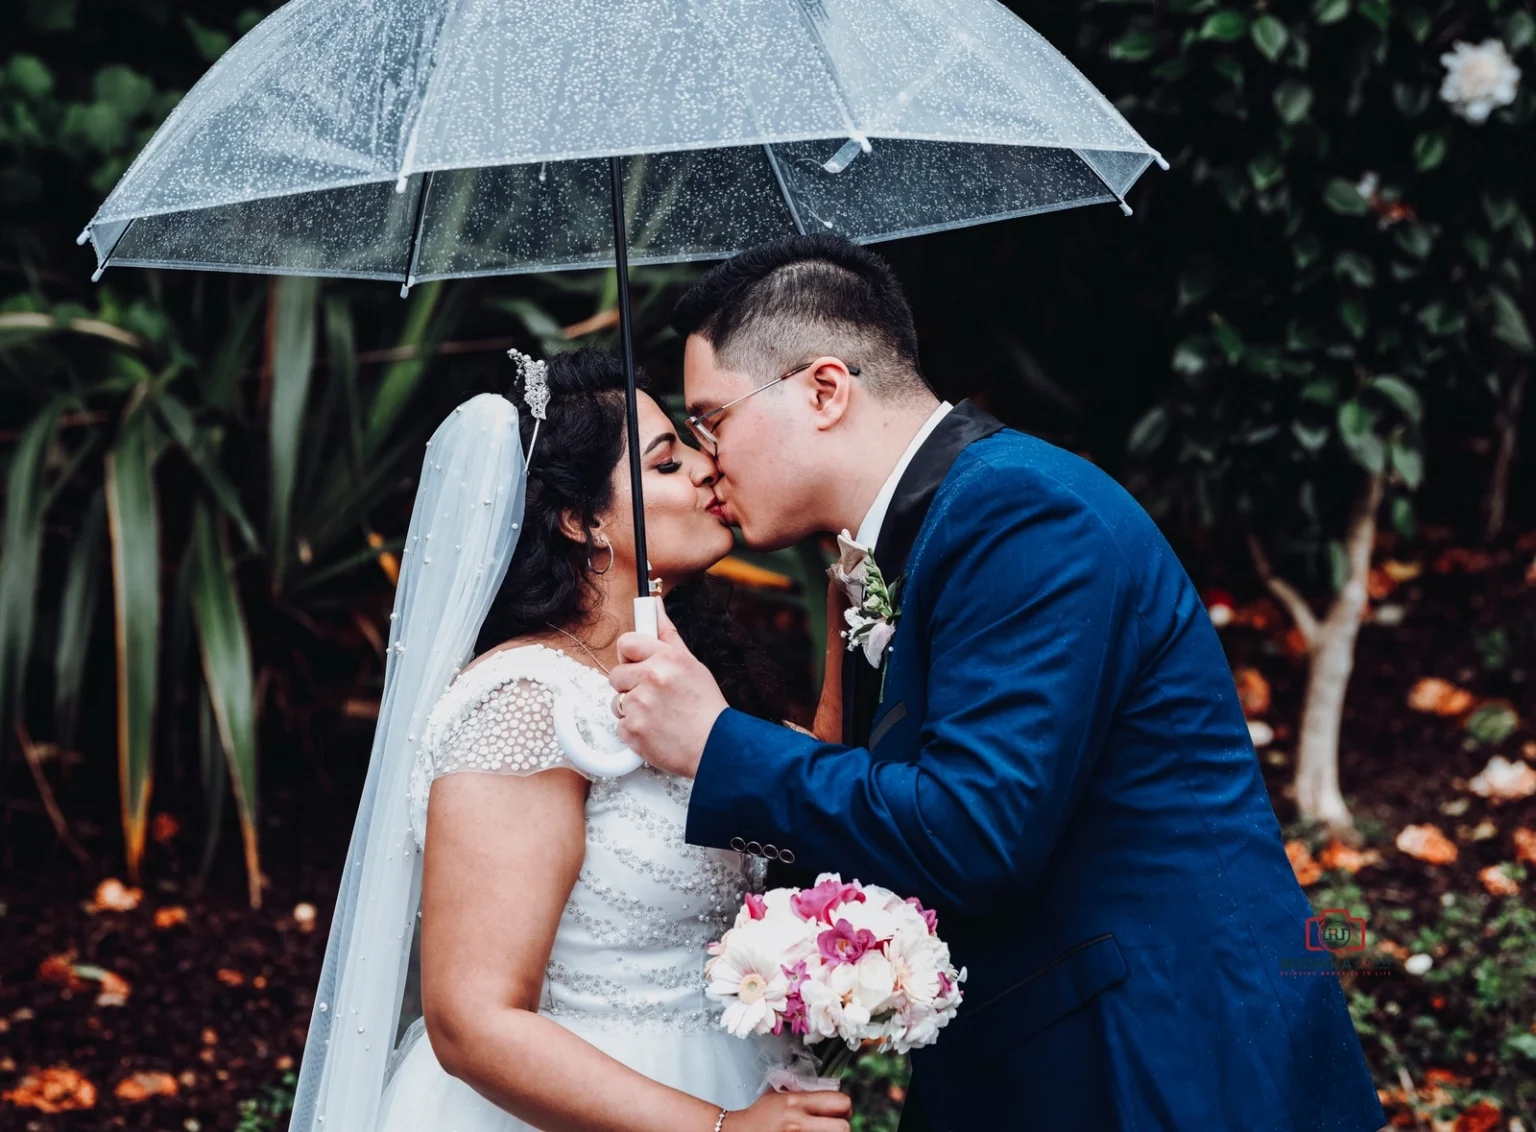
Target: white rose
{"type": "Point", "coordinates": [876, 982]}
{"type": "Point", "coordinates": [1478, 79]}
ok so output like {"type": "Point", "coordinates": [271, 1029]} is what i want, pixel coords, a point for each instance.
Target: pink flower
{"type": "Point", "coordinates": [930, 917]}
{"type": "Point", "coordinates": [842, 944]}
{"type": "Point", "coordinates": [757, 906]}
{"type": "Point", "coordinates": [796, 1015]}
{"type": "Point", "coordinates": [817, 903]}
{"type": "Point", "coordinates": [946, 988]}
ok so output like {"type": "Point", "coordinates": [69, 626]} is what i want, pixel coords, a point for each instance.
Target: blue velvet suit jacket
{"type": "Point", "coordinates": [1059, 765]}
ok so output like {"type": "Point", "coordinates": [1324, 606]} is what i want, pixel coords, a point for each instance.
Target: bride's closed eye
{"type": "Point", "coordinates": [669, 467]}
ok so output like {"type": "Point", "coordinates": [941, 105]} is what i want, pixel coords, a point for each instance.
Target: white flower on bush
{"type": "Point", "coordinates": [1478, 79]}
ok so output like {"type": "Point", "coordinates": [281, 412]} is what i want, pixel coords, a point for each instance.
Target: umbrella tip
{"type": "Point", "coordinates": [96, 275]}
{"type": "Point", "coordinates": [405, 290]}
{"type": "Point", "coordinates": [400, 183]}
{"type": "Point", "coordinates": [85, 234]}
{"type": "Point", "coordinates": [1125, 208]}
{"type": "Point", "coordinates": [1162, 162]}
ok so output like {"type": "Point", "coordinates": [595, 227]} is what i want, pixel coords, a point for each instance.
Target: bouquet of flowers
{"type": "Point", "coordinates": [844, 965]}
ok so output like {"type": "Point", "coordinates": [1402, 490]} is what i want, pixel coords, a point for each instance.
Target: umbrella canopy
{"type": "Point", "coordinates": [410, 140]}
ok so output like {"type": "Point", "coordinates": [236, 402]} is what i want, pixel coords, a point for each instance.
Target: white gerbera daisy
{"type": "Point", "coordinates": [749, 979]}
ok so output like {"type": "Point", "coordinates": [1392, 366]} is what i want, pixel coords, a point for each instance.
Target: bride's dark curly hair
{"type": "Point", "coordinates": [550, 580]}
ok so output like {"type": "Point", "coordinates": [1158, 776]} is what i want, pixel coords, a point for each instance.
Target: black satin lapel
{"type": "Point", "coordinates": [963, 425]}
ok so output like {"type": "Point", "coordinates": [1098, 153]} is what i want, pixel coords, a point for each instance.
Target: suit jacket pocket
{"type": "Point", "coordinates": [1048, 994]}
{"type": "Point", "coordinates": [891, 718]}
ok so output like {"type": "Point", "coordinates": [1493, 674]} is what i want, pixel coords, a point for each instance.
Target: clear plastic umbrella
{"type": "Point", "coordinates": [410, 140]}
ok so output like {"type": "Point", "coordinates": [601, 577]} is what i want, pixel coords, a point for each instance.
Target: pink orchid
{"type": "Point", "coordinates": [757, 906]}
{"type": "Point", "coordinates": [930, 917]}
{"type": "Point", "coordinates": [946, 988]}
{"type": "Point", "coordinates": [817, 903]}
{"type": "Point", "coordinates": [841, 944]}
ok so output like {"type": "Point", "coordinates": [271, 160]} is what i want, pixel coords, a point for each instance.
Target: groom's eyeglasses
{"type": "Point", "coordinates": [702, 426]}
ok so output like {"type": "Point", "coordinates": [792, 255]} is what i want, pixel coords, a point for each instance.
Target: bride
{"type": "Point", "coordinates": [562, 922]}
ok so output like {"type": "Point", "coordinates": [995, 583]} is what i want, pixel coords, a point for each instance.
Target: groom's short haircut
{"type": "Point", "coordinates": [778, 303]}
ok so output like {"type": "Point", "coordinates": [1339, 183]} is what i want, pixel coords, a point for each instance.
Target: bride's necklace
{"type": "Point", "coordinates": [581, 644]}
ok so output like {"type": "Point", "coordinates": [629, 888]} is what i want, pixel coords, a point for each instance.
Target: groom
{"type": "Point", "coordinates": [1048, 750]}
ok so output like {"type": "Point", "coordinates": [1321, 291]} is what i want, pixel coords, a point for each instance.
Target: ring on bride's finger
{"type": "Point", "coordinates": [618, 705]}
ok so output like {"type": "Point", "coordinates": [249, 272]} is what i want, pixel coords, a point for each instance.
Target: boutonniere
{"type": "Point", "coordinates": [873, 614]}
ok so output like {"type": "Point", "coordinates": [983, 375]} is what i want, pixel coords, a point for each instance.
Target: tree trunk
{"type": "Point", "coordinates": [1331, 659]}
{"type": "Point", "coordinates": [1506, 424]}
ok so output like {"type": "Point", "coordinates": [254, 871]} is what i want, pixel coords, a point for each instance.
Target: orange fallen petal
{"type": "Point", "coordinates": [1340, 856]}
{"type": "Point", "coordinates": [164, 828]}
{"type": "Point", "coordinates": [1391, 947]}
{"type": "Point", "coordinates": [1252, 691]}
{"type": "Point", "coordinates": [1481, 1117]}
{"type": "Point", "coordinates": [170, 916]}
{"type": "Point", "coordinates": [1379, 584]}
{"type": "Point", "coordinates": [1433, 1077]}
{"type": "Point", "coordinates": [1306, 869]}
{"type": "Point", "coordinates": [1294, 644]}
{"type": "Point", "coordinates": [1458, 559]}
{"type": "Point", "coordinates": [58, 1089]}
{"type": "Point", "coordinates": [60, 970]}
{"type": "Point", "coordinates": [1427, 843]}
{"type": "Point", "coordinates": [1439, 697]}
{"type": "Point", "coordinates": [1504, 781]}
{"type": "Point", "coordinates": [142, 1086]}
{"type": "Point", "coordinates": [113, 895]}
{"type": "Point", "coordinates": [210, 1036]}
{"type": "Point", "coordinates": [230, 977]}
{"type": "Point", "coordinates": [1497, 882]}
{"type": "Point", "coordinates": [1525, 846]}
{"type": "Point", "coordinates": [1401, 571]}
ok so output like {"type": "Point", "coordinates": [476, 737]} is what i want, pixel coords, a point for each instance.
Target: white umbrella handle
{"type": "Point", "coordinates": [582, 754]}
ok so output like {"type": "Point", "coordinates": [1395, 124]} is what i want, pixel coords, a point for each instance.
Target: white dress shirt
{"type": "Point", "coordinates": [874, 518]}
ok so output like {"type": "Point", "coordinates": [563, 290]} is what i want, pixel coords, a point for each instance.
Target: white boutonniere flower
{"type": "Point", "coordinates": [873, 614]}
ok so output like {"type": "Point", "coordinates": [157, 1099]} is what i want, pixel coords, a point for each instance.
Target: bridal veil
{"type": "Point", "coordinates": [463, 531]}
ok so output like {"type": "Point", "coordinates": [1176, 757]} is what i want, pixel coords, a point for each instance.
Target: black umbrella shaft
{"type": "Point", "coordinates": [627, 352]}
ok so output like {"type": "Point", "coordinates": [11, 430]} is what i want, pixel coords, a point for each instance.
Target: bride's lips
{"type": "Point", "coordinates": [717, 509]}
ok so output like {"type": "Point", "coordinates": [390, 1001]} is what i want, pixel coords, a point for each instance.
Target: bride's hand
{"type": "Point", "coordinates": [793, 1112]}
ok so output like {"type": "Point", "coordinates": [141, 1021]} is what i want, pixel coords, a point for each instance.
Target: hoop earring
{"type": "Point", "coordinates": [606, 545]}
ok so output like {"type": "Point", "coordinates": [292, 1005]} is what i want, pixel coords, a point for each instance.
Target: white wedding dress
{"type": "Point", "coordinates": [627, 969]}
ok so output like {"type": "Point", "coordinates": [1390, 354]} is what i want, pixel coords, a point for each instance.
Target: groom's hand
{"type": "Point", "coordinates": [669, 700]}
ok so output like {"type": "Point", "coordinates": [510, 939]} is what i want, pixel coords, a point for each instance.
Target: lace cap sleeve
{"type": "Point", "coordinates": [497, 718]}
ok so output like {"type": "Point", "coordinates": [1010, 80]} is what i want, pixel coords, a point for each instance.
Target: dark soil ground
{"type": "Point", "coordinates": [221, 1002]}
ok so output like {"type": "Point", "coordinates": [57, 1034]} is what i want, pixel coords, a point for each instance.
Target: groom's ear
{"type": "Point", "coordinates": [831, 388]}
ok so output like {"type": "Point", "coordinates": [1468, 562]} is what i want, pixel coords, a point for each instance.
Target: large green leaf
{"type": "Point", "coordinates": [1357, 429]}
{"type": "Point", "coordinates": [341, 349]}
{"type": "Point", "coordinates": [26, 500]}
{"type": "Point", "coordinates": [233, 355]}
{"type": "Point", "coordinates": [83, 580]}
{"type": "Point", "coordinates": [200, 449]}
{"type": "Point", "coordinates": [1401, 394]}
{"type": "Point", "coordinates": [1509, 324]}
{"type": "Point", "coordinates": [225, 647]}
{"type": "Point", "coordinates": [134, 523]}
{"type": "Point", "coordinates": [292, 352]}
{"type": "Point", "coordinates": [427, 320]}
{"type": "Point", "coordinates": [1270, 36]}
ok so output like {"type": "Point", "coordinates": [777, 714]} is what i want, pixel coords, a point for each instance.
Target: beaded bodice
{"type": "Point", "coordinates": [629, 951]}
